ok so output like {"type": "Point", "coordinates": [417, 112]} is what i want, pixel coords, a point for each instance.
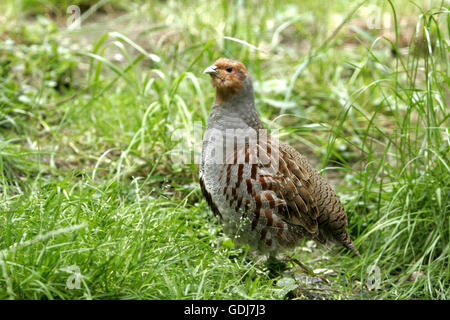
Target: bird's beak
{"type": "Point", "coordinates": [211, 70]}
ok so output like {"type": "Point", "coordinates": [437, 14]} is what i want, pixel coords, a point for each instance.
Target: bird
{"type": "Point", "coordinates": [265, 193]}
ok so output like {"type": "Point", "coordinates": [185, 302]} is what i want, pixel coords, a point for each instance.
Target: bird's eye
{"type": "Point", "coordinates": [229, 69]}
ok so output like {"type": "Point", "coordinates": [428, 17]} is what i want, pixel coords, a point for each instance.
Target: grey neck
{"type": "Point", "coordinates": [238, 112]}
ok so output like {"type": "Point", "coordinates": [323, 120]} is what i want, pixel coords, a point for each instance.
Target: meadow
{"type": "Point", "coordinates": [94, 205]}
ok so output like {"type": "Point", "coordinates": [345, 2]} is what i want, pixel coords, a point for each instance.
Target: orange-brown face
{"type": "Point", "coordinates": [228, 77]}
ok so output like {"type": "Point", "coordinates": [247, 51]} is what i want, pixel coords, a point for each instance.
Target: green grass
{"type": "Point", "coordinates": [87, 119]}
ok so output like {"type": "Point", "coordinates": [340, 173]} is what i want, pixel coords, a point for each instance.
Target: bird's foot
{"type": "Point", "coordinates": [308, 270]}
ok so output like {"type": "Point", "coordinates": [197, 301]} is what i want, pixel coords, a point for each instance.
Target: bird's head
{"type": "Point", "coordinates": [228, 76]}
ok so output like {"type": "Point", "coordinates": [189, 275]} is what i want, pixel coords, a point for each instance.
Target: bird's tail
{"type": "Point", "coordinates": [341, 238]}
{"type": "Point", "coordinates": [348, 243]}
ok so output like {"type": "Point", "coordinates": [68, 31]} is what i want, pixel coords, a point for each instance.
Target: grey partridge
{"type": "Point", "coordinates": [265, 193]}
